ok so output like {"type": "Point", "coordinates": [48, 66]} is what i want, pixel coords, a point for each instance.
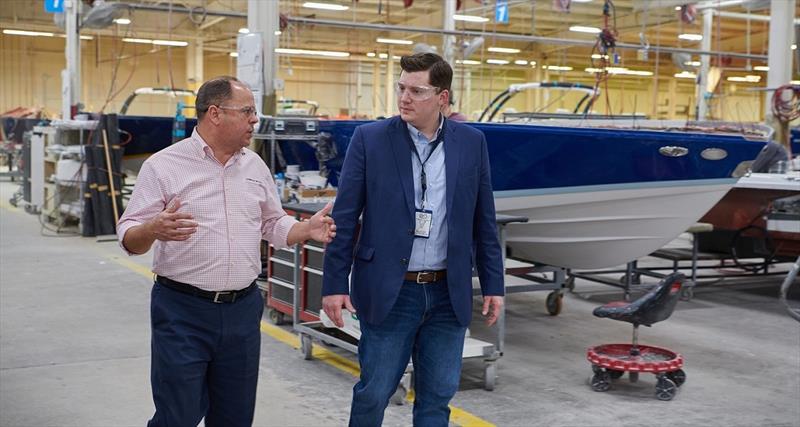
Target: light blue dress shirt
{"type": "Point", "coordinates": [431, 253]}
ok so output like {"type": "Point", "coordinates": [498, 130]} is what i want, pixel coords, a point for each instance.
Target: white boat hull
{"type": "Point", "coordinates": [604, 226]}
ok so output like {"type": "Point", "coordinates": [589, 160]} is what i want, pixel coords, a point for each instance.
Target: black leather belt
{"type": "Point", "coordinates": [425, 276]}
{"type": "Point", "coordinates": [217, 297]}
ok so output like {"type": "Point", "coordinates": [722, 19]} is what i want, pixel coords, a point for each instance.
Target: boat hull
{"type": "Point", "coordinates": [604, 226]}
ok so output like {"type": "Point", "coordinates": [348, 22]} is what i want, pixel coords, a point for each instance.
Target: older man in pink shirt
{"type": "Point", "coordinates": [205, 203]}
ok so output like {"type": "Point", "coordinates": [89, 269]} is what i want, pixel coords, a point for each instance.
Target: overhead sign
{"type": "Point", "coordinates": [54, 6]}
{"type": "Point", "coordinates": [501, 12]}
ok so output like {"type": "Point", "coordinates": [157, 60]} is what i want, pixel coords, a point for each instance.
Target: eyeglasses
{"type": "Point", "coordinates": [247, 111]}
{"type": "Point", "coordinates": [416, 93]}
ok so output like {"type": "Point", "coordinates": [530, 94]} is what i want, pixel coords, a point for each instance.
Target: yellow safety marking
{"type": "Point", "coordinates": [457, 416]}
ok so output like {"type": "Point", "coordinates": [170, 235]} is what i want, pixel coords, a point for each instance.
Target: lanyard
{"type": "Point", "coordinates": [423, 178]}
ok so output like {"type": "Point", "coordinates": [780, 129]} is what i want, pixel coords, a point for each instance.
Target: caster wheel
{"type": "Point", "coordinates": [614, 374]}
{"type": "Point", "coordinates": [687, 293]}
{"type": "Point", "coordinates": [306, 346]}
{"type": "Point", "coordinates": [678, 377]}
{"type": "Point", "coordinates": [554, 303]}
{"type": "Point", "coordinates": [276, 317]}
{"type": "Point", "coordinates": [600, 381]}
{"type": "Point", "coordinates": [636, 279]}
{"type": "Point", "coordinates": [489, 376]}
{"type": "Point", "coordinates": [665, 388]}
{"type": "Point", "coordinates": [570, 284]}
{"type": "Point", "coordinates": [633, 377]}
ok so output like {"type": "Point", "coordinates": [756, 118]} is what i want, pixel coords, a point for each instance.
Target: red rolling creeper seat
{"type": "Point", "coordinates": [612, 361]}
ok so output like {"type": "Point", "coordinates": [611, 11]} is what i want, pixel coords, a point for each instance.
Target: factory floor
{"type": "Point", "coordinates": [75, 351]}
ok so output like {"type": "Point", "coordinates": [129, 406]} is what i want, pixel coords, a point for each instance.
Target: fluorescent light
{"type": "Point", "coordinates": [324, 6]}
{"type": "Point", "coordinates": [496, 61]}
{"type": "Point", "coordinates": [143, 41]}
{"type": "Point", "coordinates": [598, 56]}
{"type": "Point", "coordinates": [122, 21]}
{"type": "Point", "coordinates": [503, 50]}
{"type": "Point", "coordinates": [395, 57]}
{"type": "Point", "coordinates": [795, 82]}
{"type": "Point", "coordinates": [244, 30]}
{"type": "Point", "coordinates": [28, 33]}
{"type": "Point", "coordinates": [581, 1]}
{"type": "Point", "coordinates": [521, 62]}
{"type": "Point", "coordinates": [278, 32]}
{"type": "Point", "coordinates": [794, 47]}
{"type": "Point", "coordinates": [393, 41]}
{"type": "Point", "coordinates": [745, 79]}
{"type": "Point", "coordinates": [761, 68]}
{"type": "Point", "coordinates": [234, 54]}
{"type": "Point", "coordinates": [691, 37]}
{"type": "Point", "coordinates": [692, 63]}
{"type": "Point", "coordinates": [468, 62]}
{"type": "Point", "coordinates": [582, 29]}
{"type": "Point", "coordinates": [677, 8]}
{"type": "Point", "coordinates": [371, 54]}
{"type": "Point", "coordinates": [313, 52]}
{"type": "Point", "coordinates": [559, 68]}
{"type": "Point", "coordinates": [170, 43]}
{"type": "Point", "coordinates": [686, 75]}
{"type": "Point", "coordinates": [383, 55]}
{"type": "Point", "coordinates": [470, 18]}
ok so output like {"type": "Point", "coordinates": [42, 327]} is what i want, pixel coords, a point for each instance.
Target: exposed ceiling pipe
{"type": "Point", "coordinates": [745, 16]}
{"type": "Point", "coordinates": [406, 29]}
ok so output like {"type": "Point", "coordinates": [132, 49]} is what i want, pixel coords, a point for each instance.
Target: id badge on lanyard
{"type": "Point", "coordinates": [423, 219]}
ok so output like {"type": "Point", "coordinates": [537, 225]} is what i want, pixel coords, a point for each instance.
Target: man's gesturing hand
{"type": "Point", "coordinates": [332, 304]}
{"type": "Point", "coordinates": [171, 224]}
{"type": "Point", "coordinates": [321, 227]}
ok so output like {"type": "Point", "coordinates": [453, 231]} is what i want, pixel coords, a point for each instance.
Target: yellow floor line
{"type": "Point", "coordinates": [457, 416]}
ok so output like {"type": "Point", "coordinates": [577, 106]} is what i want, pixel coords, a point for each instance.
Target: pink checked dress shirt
{"type": "Point", "coordinates": [235, 205]}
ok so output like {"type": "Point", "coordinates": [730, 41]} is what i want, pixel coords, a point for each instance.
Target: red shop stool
{"type": "Point", "coordinates": [612, 361]}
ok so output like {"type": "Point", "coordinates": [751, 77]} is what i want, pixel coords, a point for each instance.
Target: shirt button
{"type": "Point", "coordinates": [404, 261]}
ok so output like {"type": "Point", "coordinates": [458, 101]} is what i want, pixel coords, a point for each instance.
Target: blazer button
{"type": "Point", "coordinates": [411, 231]}
{"type": "Point", "coordinates": [404, 261]}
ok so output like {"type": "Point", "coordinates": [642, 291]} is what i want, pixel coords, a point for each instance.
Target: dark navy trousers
{"type": "Point", "coordinates": [204, 359]}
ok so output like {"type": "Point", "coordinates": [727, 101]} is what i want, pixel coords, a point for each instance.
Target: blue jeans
{"type": "Point", "coordinates": [204, 359]}
{"type": "Point", "coordinates": [421, 326]}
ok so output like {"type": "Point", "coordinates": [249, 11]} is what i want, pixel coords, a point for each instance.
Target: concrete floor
{"type": "Point", "coordinates": [74, 351]}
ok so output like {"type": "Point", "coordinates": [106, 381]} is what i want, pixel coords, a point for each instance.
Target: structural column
{"type": "Point", "coordinates": [705, 65]}
{"type": "Point", "coordinates": [449, 24]}
{"type": "Point", "coordinates": [780, 58]}
{"type": "Point", "coordinates": [262, 17]}
{"type": "Point", "coordinates": [71, 76]}
{"type": "Point", "coordinates": [390, 84]}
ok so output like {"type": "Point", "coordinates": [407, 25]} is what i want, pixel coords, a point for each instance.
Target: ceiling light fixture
{"type": "Point", "coordinates": [521, 62]}
{"type": "Point", "coordinates": [122, 21]}
{"type": "Point", "coordinates": [383, 55]}
{"type": "Point", "coordinates": [496, 61]}
{"type": "Point", "coordinates": [761, 68]}
{"type": "Point", "coordinates": [142, 41]}
{"type": "Point", "coordinates": [371, 54]}
{"type": "Point", "coordinates": [692, 63]}
{"type": "Point", "coordinates": [28, 33]}
{"type": "Point", "coordinates": [794, 47]}
{"type": "Point", "coordinates": [329, 53]}
{"type": "Point", "coordinates": [503, 50]}
{"type": "Point", "coordinates": [691, 37]}
{"type": "Point", "coordinates": [470, 18]}
{"type": "Point", "coordinates": [746, 79]}
{"type": "Point", "coordinates": [599, 56]}
{"type": "Point", "coordinates": [468, 62]}
{"type": "Point", "coordinates": [244, 30]}
{"type": "Point", "coordinates": [234, 54]}
{"type": "Point", "coordinates": [582, 29]}
{"type": "Point", "coordinates": [278, 32]}
{"type": "Point", "coordinates": [170, 43]}
{"type": "Point", "coordinates": [325, 6]}
{"type": "Point", "coordinates": [559, 68]}
{"type": "Point", "coordinates": [394, 41]}
{"type": "Point", "coordinates": [685, 75]}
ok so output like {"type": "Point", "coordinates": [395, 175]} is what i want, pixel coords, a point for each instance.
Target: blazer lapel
{"type": "Point", "coordinates": [452, 157]}
{"type": "Point", "coordinates": [402, 158]}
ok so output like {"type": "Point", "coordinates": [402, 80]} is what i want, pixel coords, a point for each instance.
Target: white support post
{"type": "Point", "coordinates": [262, 17]}
{"type": "Point", "coordinates": [71, 76]}
{"type": "Point", "coordinates": [449, 24]}
{"type": "Point", "coordinates": [781, 30]}
{"type": "Point", "coordinates": [705, 65]}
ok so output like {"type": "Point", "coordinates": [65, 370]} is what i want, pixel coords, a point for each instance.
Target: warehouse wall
{"type": "Point", "coordinates": [31, 68]}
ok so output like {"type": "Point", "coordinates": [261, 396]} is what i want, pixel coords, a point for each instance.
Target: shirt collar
{"type": "Point", "coordinates": [201, 146]}
{"type": "Point", "coordinates": [421, 136]}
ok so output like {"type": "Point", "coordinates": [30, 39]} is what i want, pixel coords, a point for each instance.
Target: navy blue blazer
{"type": "Point", "coordinates": [376, 184]}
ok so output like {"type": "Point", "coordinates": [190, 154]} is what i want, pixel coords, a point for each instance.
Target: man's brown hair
{"type": "Point", "coordinates": [441, 75]}
{"type": "Point", "coordinates": [213, 92]}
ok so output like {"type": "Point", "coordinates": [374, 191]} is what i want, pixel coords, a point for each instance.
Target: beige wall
{"type": "Point", "coordinates": [31, 68]}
